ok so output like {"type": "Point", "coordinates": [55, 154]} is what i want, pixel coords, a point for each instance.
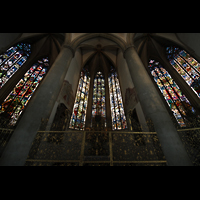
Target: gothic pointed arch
{"type": "Point", "coordinates": [41, 46]}
{"type": "Point", "coordinates": [15, 103]}
{"type": "Point", "coordinates": [12, 60]}
{"type": "Point", "coordinates": [25, 65]}
{"type": "Point", "coordinates": [186, 66]}
{"type": "Point", "coordinates": [178, 103]}
{"type": "Point", "coordinates": [99, 96]}
{"type": "Point", "coordinates": [84, 37]}
{"type": "Point", "coordinates": [78, 117]}
{"type": "Point", "coordinates": [116, 102]}
{"type": "Point", "coordinates": [162, 50]}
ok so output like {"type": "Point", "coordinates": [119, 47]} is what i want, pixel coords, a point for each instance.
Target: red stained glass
{"type": "Point", "coordinates": [16, 101]}
{"type": "Point", "coordinates": [117, 110]}
{"type": "Point", "coordinates": [80, 105]}
{"type": "Point", "coordinates": [174, 97]}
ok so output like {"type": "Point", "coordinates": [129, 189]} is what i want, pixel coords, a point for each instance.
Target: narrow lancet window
{"type": "Point", "coordinates": [17, 100]}
{"type": "Point", "coordinates": [12, 60]}
{"type": "Point", "coordinates": [186, 66]}
{"type": "Point", "coordinates": [99, 101]}
{"type": "Point", "coordinates": [116, 103]}
{"type": "Point", "coordinates": [98, 119]}
{"type": "Point", "coordinates": [176, 100]}
{"type": "Point", "coordinates": [80, 105]}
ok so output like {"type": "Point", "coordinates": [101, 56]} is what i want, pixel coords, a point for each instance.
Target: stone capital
{"type": "Point", "coordinates": [69, 47]}
{"type": "Point", "coordinates": [128, 47]}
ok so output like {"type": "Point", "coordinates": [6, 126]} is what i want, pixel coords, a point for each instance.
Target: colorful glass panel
{"type": "Point", "coordinates": [186, 66]}
{"type": "Point", "coordinates": [174, 97]}
{"type": "Point", "coordinates": [116, 103]}
{"type": "Point", "coordinates": [12, 60]}
{"type": "Point", "coordinates": [16, 101]}
{"type": "Point", "coordinates": [80, 105]}
{"type": "Point", "coordinates": [99, 101]}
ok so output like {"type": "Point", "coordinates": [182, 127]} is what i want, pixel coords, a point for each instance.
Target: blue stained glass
{"type": "Point", "coordinates": [12, 60]}
{"type": "Point", "coordinates": [174, 97]}
{"type": "Point", "coordinates": [7, 54]}
{"type": "Point", "coordinates": [80, 106]}
{"type": "Point", "coordinates": [186, 66]}
{"type": "Point", "coordinates": [98, 107]}
{"type": "Point", "coordinates": [117, 110]}
{"type": "Point", "coordinates": [18, 98]}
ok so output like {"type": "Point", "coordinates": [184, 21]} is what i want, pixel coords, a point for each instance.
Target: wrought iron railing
{"type": "Point", "coordinates": [102, 148]}
{"type": "Point", "coordinates": [5, 135]}
{"type": "Point", "coordinates": [95, 148]}
{"type": "Point", "coordinates": [191, 140]}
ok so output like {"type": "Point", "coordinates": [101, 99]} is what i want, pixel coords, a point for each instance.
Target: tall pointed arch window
{"type": "Point", "coordinates": [186, 66]}
{"type": "Point", "coordinates": [12, 60]}
{"type": "Point", "coordinates": [17, 100]}
{"type": "Point", "coordinates": [116, 103]}
{"type": "Point", "coordinates": [80, 105]}
{"type": "Point", "coordinates": [99, 99]}
{"type": "Point", "coordinates": [176, 100]}
{"type": "Point", "coordinates": [98, 120]}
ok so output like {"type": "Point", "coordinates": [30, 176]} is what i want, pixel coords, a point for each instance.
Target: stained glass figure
{"type": "Point", "coordinates": [99, 101]}
{"type": "Point", "coordinates": [12, 60]}
{"type": "Point", "coordinates": [80, 105]}
{"type": "Point", "coordinates": [17, 100]}
{"type": "Point", "coordinates": [186, 66]}
{"type": "Point", "coordinates": [116, 103]}
{"type": "Point", "coordinates": [176, 100]}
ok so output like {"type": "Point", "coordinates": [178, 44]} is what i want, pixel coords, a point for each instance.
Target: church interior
{"type": "Point", "coordinates": [99, 99]}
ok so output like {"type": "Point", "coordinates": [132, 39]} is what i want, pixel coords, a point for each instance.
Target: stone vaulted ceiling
{"type": "Point", "coordinates": [109, 43]}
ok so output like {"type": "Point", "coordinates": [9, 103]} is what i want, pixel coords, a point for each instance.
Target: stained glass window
{"type": "Point", "coordinates": [16, 101]}
{"type": "Point", "coordinates": [12, 60]}
{"type": "Point", "coordinates": [80, 105]}
{"type": "Point", "coordinates": [176, 100]}
{"type": "Point", "coordinates": [117, 110]}
{"type": "Point", "coordinates": [99, 100]}
{"type": "Point", "coordinates": [186, 66]}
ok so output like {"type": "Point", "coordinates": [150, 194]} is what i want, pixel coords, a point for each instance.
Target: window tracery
{"type": "Point", "coordinates": [98, 107]}
{"type": "Point", "coordinates": [176, 100]}
{"type": "Point", "coordinates": [186, 66]}
{"type": "Point", "coordinates": [98, 111]}
{"type": "Point", "coordinates": [78, 117]}
{"type": "Point", "coordinates": [12, 60]}
{"type": "Point", "coordinates": [116, 103]}
{"type": "Point", "coordinates": [99, 99]}
{"type": "Point", "coordinates": [16, 101]}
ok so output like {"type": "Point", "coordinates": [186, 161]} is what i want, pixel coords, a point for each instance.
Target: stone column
{"type": "Point", "coordinates": [108, 108]}
{"type": "Point", "coordinates": [151, 102]}
{"type": "Point", "coordinates": [90, 101]}
{"type": "Point", "coordinates": [40, 106]}
{"type": "Point", "coordinates": [141, 118]}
